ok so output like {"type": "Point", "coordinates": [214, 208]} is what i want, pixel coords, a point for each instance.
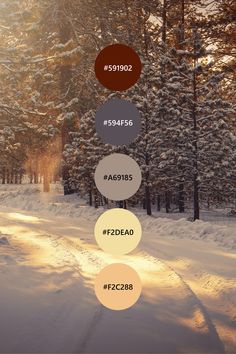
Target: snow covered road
{"type": "Point", "coordinates": [47, 303]}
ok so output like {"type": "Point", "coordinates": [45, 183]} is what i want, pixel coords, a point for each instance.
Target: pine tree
{"type": "Point", "coordinates": [82, 156]}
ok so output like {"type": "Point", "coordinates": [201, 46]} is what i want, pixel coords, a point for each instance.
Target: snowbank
{"type": "Point", "coordinates": [30, 197]}
{"type": "Point", "coordinates": [224, 236]}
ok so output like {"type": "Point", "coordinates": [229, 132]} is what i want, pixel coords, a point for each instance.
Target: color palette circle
{"type": "Point", "coordinates": [118, 286]}
{"type": "Point", "coordinates": [118, 122]}
{"type": "Point", "coordinates": [118, 67]}
{"type": "Point", "coordinates": [118, 177]}
{"type": "Point", "coordinates": [118, 231]}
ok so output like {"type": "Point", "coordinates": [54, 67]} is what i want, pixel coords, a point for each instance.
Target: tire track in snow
{"type": "Point", "coordinates": [91, 328]}
{"type": "Point", "coordinates": [74, 251]}
{"type": "Point", "coordinates": [99, 313]}
{"type": "Point", "coordinates": [212, 329]}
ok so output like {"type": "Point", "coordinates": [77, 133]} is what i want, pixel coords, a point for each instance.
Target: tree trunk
{"type": "Point", "coordinates": [90, 197]}
{"type": "Point", "coordinates": [180, 45]}
{"type": "Point", "coordinates": [46, 176]}
{"type": "Point", "coordinates": [208, 202]}
{"type": "Point", "coordinates": [158, 202]}
{"type": "Point", "coordinates": [3, 176]}
{"type": "Point", "coordinates": [12, 177]}
{"type": "Point", "coordinates": [8, 177]}
{"type": "Point", "coordinates": [103, 17]}
{"type": "Point", "coordinates": [128, 26]}
{"type": "Point", "coordinates": [164, 10]}
{"type": "Point", "coordinates": [96, 199]}
{"type": "Point", "coordinates": [181, 198]}
{"type": "Point", "coordinates": [121, 204]}
{"type": "Point", "coordinates": [196, 211]}
{"type": "Point", "coordinates": [147, 157]}
{"type": "Point", "coordinates": [65, 89]}
{"type": "Point", "coordinates": [46, 181]}
{"type": "Point", "coordinates": [167, 201]}
{"type": "Point", "coordinates": [36, 173]}
{"type": "Point", "coordinates": [148, 200]}
{"type": "Point", "coordinates": [144, 203]}
{"type": "Point", "coordinates": [31, 176]}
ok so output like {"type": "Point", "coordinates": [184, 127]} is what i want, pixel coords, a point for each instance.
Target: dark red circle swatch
{"type": "Point", "coordinates": [118, 67]}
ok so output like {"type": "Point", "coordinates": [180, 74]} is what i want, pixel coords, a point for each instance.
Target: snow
{"type": "Point", "coordinates": [224, 236]}
{"type": "Point", "coordinates": [48, 261]}
{"type": "Point", "coordinates": [30, 197]}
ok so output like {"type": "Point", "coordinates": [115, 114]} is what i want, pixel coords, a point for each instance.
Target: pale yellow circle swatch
{"type": "Point", "coordinates": [118, 231]}
{"type": "Point", "coordinates": [118, 286]}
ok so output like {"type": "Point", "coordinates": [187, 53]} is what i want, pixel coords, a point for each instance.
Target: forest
{"type": "Point", "coordinates": [49, 95]}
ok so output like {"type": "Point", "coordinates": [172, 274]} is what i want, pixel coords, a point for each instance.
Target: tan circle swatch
{"type": "Point", "coordinates": [118, 177]}
{"type": "Point", "coordinates": [118, 286]}
{"type": "Point", "coordinates": [118, 231]}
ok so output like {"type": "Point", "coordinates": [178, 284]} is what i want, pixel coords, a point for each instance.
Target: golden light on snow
{"type": "Point", "coordinates": [49, 253]}
{"type": "Point", "coordinates": [60, 255]}
{"type": "Point", "coordinates": [199, 320]}
{"type": "Point", "coordinates": [23, 217]}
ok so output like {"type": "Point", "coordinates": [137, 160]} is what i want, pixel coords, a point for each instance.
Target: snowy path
{"type": "Point", "coordinates": [210, 272]}
{"type": "Point", "coordinates": [47, 302]}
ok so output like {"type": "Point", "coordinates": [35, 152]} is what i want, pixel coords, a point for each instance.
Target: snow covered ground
{"type": "Point", "coordinates": [49, 258]}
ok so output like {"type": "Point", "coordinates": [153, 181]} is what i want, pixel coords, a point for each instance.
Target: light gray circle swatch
{"type": "Point", "coordinates": [118, 122]}
{"type": "Point", "coordinates": [118, 177]}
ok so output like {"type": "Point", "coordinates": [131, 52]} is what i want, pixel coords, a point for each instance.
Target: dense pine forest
{"type": "Point", "coordinates": [49, 95]}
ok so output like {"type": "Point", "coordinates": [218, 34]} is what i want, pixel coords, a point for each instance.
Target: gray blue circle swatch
{"type": "Point", "coordinates": [118, 122]}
